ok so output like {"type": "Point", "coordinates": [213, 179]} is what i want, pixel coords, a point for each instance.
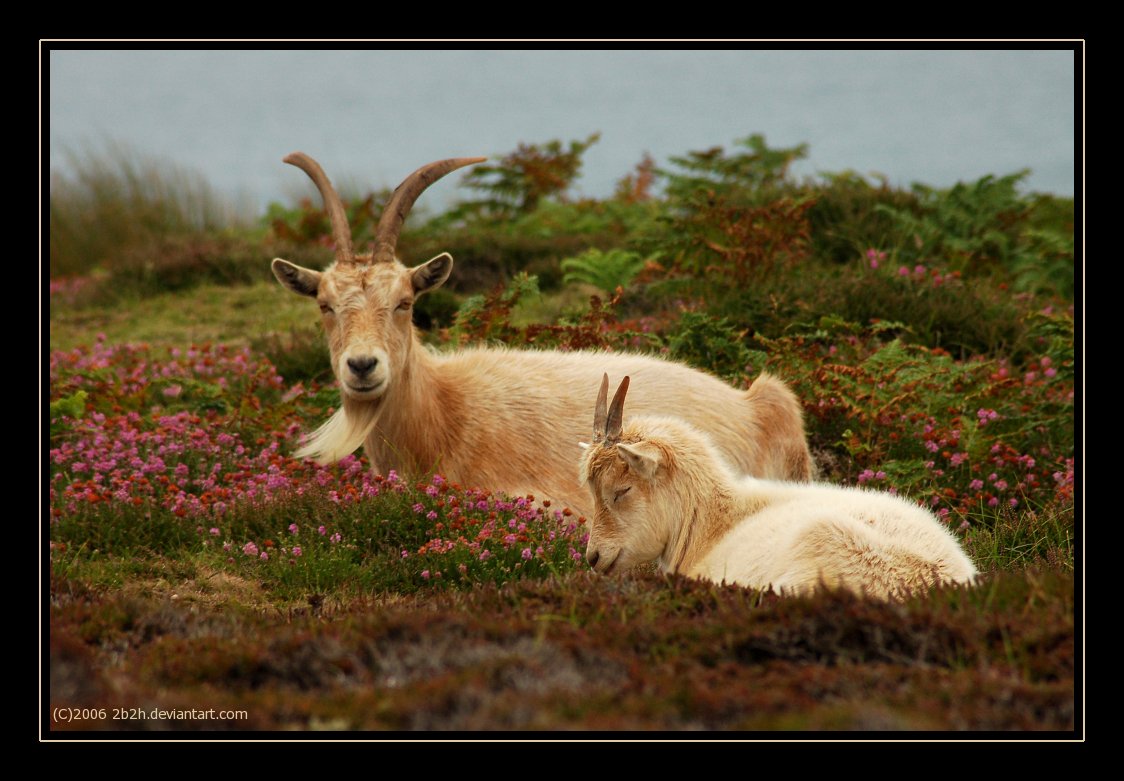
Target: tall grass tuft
{"type": "Point", "coordinates": [112, 203]}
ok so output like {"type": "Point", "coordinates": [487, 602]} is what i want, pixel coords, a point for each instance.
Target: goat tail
{"type": "Point", "coordinates": [341, 434]}
{"type": "Point", "coordinates": [780, 419]}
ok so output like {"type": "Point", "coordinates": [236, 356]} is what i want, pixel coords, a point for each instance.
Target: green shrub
{"type": "Point", "coordinates": [986, 226]}
{"type": "Point", "coordinates": [845, 219]}
{"type": "Point", "coordinates": [605, 270]}
{"type": "Point", "coordinates": [711, 344]}
{"type": "Point", "coordinates": [523, 178]}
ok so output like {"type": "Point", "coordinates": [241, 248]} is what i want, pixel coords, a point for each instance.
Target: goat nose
{"type": "Point", "coordinates": [362, 366]}
{"type": "Point", "coordinates": [592, 557]}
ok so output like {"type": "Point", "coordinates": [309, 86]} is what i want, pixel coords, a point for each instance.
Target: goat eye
{"type": "Point", "coordinates": [325, 309]}
{"type": "Point", "coordinates": [620, 492]}
{"type": "Point", "coordinates": [405, 304]}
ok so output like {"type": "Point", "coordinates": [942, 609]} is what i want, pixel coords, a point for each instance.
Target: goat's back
{"type": "Point", "coordinates": [813, 534]}
{"type": "Point", "coordinates": [521, 414]}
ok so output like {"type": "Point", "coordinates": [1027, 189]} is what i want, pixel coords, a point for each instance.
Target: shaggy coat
{"type": "Point", "coordinates": [507, 420]}
{"type": "Point", "coordinates": [663, 492]}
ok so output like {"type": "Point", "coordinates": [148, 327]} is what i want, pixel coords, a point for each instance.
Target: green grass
{"type": "Point", "coordinates": [211, 313]}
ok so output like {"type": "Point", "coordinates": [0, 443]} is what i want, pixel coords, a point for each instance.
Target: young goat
{"type": "Point", "coordinates": [662, 492]}
{"type": "Point", "coordinates": [501, 419]}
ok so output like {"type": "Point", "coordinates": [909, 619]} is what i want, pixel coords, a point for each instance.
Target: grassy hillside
{"type": "Point", "coordinates": [192, 567]}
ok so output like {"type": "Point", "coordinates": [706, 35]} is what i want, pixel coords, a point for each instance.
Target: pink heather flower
{"type": "Point", "coordinates": [993, 477]}
{"type": "Point", "coordinates": [1001, 485]}
{"type": "Point", "coordinates": [264, 556]}
{"type": "Point", "coordinates": [418, 509]}
{"type": "Point", "coordinates": [250, 549]}
{"type": "Point", "coordinates": [918, 269]}
{"type": "Point", "coordinates": [1030, 377]}
{"type": "Point", "coordinates": [526, 554]}
{"type": "Point", "coordinates": [297, 551]}
{"type": "Point", "coordinates": [942, 513]}
{"type": "Point", "coordinates": [993, 502]}
{"type": "Point", "coordinates": [964, 525]}
{"type": "Point", "coordinates": [1050, 372]}
{"type": "Point", "coordinates": [1013, 502]}
{"type": "Point", "coordinates": [336, 537]}
{"type": "Point", "coordinates": [293, 528]}
{"type": "Point", "coordinates": [226, 546]}
{"type": "Point", "coordinates": [214, 532]}
{"type": "Point", "coordinates": [932, 446]}
{"type": "Point", "coordinates": [976, 485]}
{"type": "Point", "coordinates": [322, 531]}
{"type": "Point", "coordinates": [903, 272]}
{"type": "Point", "coordinates": [879, 475]}
{"type": "Point", "coordinates": [462, 568]}
{"type": "Point", "coordinates": [425, 574]}
{"type": "Point", "coordinates": [1046, 361]}
{"type": "Point", "coordinates": [431, 515]}
{"type": "Point", "coordinates": [172, 391]}
{"type": "Point", "coordinates": [865, 475]}
{"type": "Point", "coordinates": [405, 554]}
{"type": "Point", "coordinates": [392, 476]}
{"type": "Point", "coordinates": [958, 458]}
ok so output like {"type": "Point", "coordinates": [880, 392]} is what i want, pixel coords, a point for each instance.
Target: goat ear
{"type": "Point", "coordinates": [432, 273]}
{"type": "Point", "coordinates": [302, 281]}
{"type": "Point", "coordinates": [642, 458]}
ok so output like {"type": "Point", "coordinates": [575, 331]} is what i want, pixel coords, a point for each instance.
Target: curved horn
{"type": "Point", "coordinates": [340, 229]}
{"type": "Point", "coordinates": [400, 203]}
{"type": "Point", "coordinates": [599, 413]}
{"type": "Point", "coordinates": [616, 413]}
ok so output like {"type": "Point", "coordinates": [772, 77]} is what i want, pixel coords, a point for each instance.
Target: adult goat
{"type": "Point", "coordinates": [501, 419]}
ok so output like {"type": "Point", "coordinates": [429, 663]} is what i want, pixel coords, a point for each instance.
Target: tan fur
{"type": "Point", "coordinates": [665, 493]}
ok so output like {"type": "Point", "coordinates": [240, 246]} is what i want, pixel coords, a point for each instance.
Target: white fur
{"type": "Point", "coordinates": [665, 494]}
